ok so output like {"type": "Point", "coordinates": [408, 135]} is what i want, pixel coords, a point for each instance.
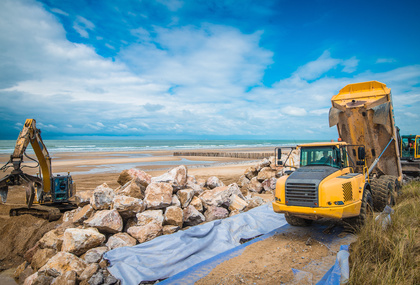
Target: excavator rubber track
{"type": "Point", "coordinates": [51, 213]}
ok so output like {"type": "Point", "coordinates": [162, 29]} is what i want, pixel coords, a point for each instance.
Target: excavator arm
{"type": "Point", "coordinates": [29, 134]}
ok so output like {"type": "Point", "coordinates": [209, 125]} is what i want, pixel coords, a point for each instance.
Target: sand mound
{"type": "Point", "coordinates": [17, 235]}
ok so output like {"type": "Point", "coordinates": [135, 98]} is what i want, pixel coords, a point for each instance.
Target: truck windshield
{"type": "Point", "coordinates": [319, 156]}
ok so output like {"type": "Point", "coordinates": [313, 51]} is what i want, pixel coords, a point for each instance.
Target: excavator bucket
{"type": "Point", "coordinates": [30, 195]}
{"type": "Point", "coordinates": [3, 194]}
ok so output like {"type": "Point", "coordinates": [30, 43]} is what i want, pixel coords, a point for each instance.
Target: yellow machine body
{"type": "Point", "coordinates": [363, 114]}
{"type": "Point", "coordinates": [338, 194]}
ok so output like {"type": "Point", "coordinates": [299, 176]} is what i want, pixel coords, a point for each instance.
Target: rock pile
{"type": "Point", "coordinates": [140, 209]}
{"type": "Point", "coordinates": [260, 178]}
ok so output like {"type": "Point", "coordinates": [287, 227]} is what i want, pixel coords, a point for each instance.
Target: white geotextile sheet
{"type": "Point", "coordinates": [168, 255]}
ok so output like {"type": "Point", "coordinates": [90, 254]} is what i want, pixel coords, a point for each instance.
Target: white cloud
{"type": "Point", "coordinates": [172, 5]}
{"type": "Point", "coordinates": [82, 26]}
{"type": "Point", "coordinates": [294, 111]}
{"type": "Point", "coordinates": [385, 60]}
{"type": "Point", "coordinates": [315, 69]}
{"type": "Point", "coordinates": [350, 65]}
{"type": "Point", "coordinates": [189, 79]}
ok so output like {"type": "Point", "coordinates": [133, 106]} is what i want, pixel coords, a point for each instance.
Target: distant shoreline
{"type": "Point", "coordinates": [56, 147]}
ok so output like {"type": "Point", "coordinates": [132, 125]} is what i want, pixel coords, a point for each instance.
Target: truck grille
{"type": "Point", "coordinates": [302, 194]}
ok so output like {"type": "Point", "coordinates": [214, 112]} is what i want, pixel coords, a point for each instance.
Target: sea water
{"type": "Point", "coordinates": [58, 146]}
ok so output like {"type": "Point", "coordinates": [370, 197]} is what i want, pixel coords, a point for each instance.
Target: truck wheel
{"type": "Point", "coordinates": [366, 210]}
{"type": "Point", "coordinates": [382, 193]}
{"type": "Point", "coordinates": [396, 186]}
{"type": "Point", "coordinates": [296, 221]}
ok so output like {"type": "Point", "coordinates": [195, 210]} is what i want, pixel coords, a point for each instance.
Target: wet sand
{"type": "Point", "coordinates": [91, 169]}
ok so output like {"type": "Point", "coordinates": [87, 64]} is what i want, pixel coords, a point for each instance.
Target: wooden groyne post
{"type": "Point", "coordinates": [246, 155]}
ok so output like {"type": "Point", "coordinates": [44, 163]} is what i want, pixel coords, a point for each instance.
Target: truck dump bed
{"type": "Point", "coordinates": [363, 114]}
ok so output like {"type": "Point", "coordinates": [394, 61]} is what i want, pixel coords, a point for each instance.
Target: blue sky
{"type": "Point", "coordinates": [200, 69]}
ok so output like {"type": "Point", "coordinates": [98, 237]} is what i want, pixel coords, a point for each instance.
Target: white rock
{"type": "Point", "coordinates": [107, 221]}
{"type": "Point", "coordinates": [127, 206]}
{"type": "Point", "coordinates": [102, 197]}
{"type": "Point", "coordinates": [150, 216]}
{"type": "Point", "coordinates": [158, 195]}
{"type": "Point", "coordinates": [78, 241]}
{"type": "Point", "coordinates": [146, 232]}
{"type": "Point", "coordinates": [120, 240]}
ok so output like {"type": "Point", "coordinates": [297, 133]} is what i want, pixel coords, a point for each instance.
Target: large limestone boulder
{"type": "Point", "coordinates": [68, 216]}
{"type": "Point", "coordinates": [52, 239]}
{"type": "Point", "coordinates": [266, 173]}
{"type": "Point", "coordinates": [185, 196]}
{"type": "Point", "coordinates": [127, 206]}
{"type": "Point", "coordinates": [169, 229]}
{"type": "Point", "coordinates": [102, 197]}
{"type": "Point", "coordinates": [254, 185]}
{"type": "Point", "coordinates": [141, 177]}
{"type": "Point", "coordinates": [196, 202]}
{"type": "Point", "coordinates": [150, 216]}
{"type": "Point", "coordinates": [269, 184]}
{"type": "Point", "coordinates": [89, 271]}
{"type": "Point", "coordinates": [106, 221]}
{"type": "Point", "coordinates": [175, 201]}
{"type": "Point", "coordinates": [216, 197]}
{"type": "Point", "coordinates": [215, 213]}
{"type": "Point", "coordinates": [192, 217]}
{"type": "Point", "coordinates": [177, 177]}
{"type": "Point", "coordinates": [251, 172]}
{"type": "Point", "coordinates": [94, 255]}
{"type": "Point", "coordinates": [194, 185]}
{"type": "Point", "coordinates": [83, 214]}
{"type": "Point", "coordinates": [120, 240]}
{"type": "Point", "coordinates": [63, 262]}
{"type": "Point", "coordinates": [41, 257]}
{"type": "Point", "coordinates": [254, 202]}
{"type": "Point", "coordinates": [263, 163]}
{"type": "Point", "coordinates": [214, 182]}
{"type": "Point", "coordinates": [158, 195]}
{"type": "Point", "coordinates": [78, 241]}
{"type": "Point", "coordinates": [174, 216]}
{"type": "Point", "coordinates": [243, 181]}
{"type": "Point", "coordinates": [146, 232]}
{"type": "Point", "coordinates": [237, 203]}
{"type": "Point", "coordinates": [133, 188]}
{"type": "Point", "coordinates": [220, 196]}
{"type": "Point", "coordinates": [68, 278]}
{"type": "Point", "coordinates": [83, 198]}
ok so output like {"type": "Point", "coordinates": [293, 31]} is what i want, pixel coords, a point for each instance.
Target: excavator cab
{"type": "Point", "coordinates": [410, 147]}
{"type": "Point", "coordinates": [62, 188]}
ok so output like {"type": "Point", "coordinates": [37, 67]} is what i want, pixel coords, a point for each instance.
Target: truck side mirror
{"type": "Point", "coordinates": [278, 157]}
{"type": "Point", "coordinates": [361, 153]}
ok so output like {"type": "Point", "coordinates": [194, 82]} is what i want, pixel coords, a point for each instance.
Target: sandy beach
{"type": "Point", "coordinates": [90, 169]}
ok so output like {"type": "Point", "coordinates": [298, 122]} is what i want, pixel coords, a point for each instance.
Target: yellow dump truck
{"type": "Point", "coordinates": [349, 178]}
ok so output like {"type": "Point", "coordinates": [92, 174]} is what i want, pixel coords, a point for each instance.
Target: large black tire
{"type": "Point", "coordinates": [396, 186]}
{"type": "Point", "coordinates": [382, 193]}
{"type": "Point", "coordinates": [366, 210]}
{"type": "Point", "coordinates": [296, 221]}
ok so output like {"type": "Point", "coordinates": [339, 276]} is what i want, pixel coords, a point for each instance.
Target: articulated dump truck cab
{"type": "Point", "coordinates": [363, 114]}
{"type": "Point", "coordinates": [324, 186]}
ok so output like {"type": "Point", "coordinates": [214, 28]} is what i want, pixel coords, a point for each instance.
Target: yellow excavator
{"type": "Point", "coordinates": [46, 195]}
{"type": "Point", "coordinates": [410, 154]}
